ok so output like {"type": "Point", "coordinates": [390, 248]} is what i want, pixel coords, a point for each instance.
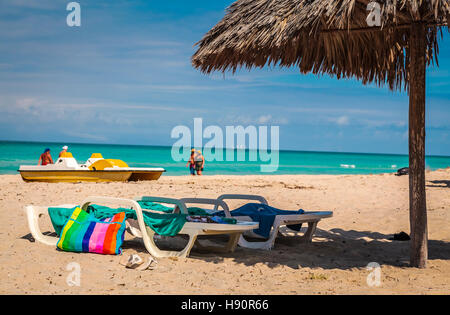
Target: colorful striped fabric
{"type": "Point", "coordinates": [84, 233]}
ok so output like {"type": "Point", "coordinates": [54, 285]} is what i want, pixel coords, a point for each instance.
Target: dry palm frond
{"type": "Point", "coordinates": [322, 36]}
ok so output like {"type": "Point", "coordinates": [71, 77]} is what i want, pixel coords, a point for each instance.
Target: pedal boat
{"type": "Point", "coordinates": [66, 169]}
{"type": "Point", "coordinates": [137, 173]}
{"type": "Point", "coordinates": [96, 169]}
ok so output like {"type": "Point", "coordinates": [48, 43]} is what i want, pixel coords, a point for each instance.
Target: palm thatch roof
{"type": "Point", "coordinates": [322, 37]}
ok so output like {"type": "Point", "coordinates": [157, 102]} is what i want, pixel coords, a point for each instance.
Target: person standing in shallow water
{"type": "Point", "coordinates": [45, 158]}
{"type": "Point", "coordinates": [199, 161]}
{"type": "Point", "coordinates": [191, 163]}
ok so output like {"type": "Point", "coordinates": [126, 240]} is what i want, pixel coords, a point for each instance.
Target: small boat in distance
{"type": "Point", "coordinates": [96, 169]}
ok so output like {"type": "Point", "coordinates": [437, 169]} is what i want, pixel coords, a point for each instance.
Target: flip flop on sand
{"type": "Point", "coordinates": [150, 264]}
{"type": "Point", "coordinates": [135, 261]}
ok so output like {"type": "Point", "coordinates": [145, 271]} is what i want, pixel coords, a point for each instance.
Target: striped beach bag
{"type": "Point", "coordinates": [85, 234]}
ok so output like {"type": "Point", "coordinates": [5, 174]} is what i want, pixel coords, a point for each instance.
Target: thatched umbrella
{"type": "Point", "coordinates": [335, 37]}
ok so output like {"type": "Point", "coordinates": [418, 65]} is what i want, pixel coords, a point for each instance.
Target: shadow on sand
{"type": "Point", "coordinates": [439, 183]}
{"type": "Point", "coordinates": [333, 249]}
{"type": "Point", "coordinates": [31, 239]}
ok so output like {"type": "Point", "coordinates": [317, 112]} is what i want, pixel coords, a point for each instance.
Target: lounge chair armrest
{"type": "Point", "coordinates": [111, 201]}
{"type": "Point", "coordinates": [171, 201]}
{"type": "Point", "coordinates": [122, 202]}
{"type": "Point", "coordinates": [33, 213]}
{"type": "Point", "coordinates": [206, 201]}
{"type": "Point", "coordinates": [261, 199]}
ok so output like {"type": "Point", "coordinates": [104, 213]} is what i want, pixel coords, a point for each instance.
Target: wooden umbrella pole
{"type": "Point", "coordinates": [417, 195]}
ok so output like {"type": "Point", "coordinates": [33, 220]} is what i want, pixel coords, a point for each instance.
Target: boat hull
{"type": "Point", "coordinates": [145, 175]}
{"type": "Point", "coordinates": [74, 176]}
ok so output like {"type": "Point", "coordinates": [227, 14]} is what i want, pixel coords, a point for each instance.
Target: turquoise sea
{"type": "Point", "coordinates": [13, 154]}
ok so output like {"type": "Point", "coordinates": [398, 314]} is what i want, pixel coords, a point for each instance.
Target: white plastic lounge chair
{"type": "Point", "coordinates": [312, 218]}
{"type": "Point", "coordinates": [139, 229]}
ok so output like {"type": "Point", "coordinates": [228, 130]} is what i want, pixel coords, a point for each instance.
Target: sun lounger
{"type": "Point", "coordinates": [311, 218]}
{"type": "Point", "coordinates": [139, 229]}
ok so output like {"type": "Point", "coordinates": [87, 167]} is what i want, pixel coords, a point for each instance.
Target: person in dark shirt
{"type": "Point", "coordinates": [199, 161]}
{"type": "Point", "coordinates": [191, 163]}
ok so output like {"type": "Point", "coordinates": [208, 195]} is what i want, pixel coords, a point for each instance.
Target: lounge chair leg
{"type": "Point", "coordinates": [229, 247]}
{"type": "Point", "coordinates": [33, 214]}
{"type": "Point", "coordinates": [265, 245]}
{"type": "Point", "coordinates": [187, 250]}
{"type": "Point", "coordinates": [232, 242]}
{"type": "Point", "coordinates": [151, 247]}
{"type": "Point", "coordinates": [307, 237]}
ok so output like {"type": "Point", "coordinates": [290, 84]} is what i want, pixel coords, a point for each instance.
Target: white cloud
{"type": "Point", "coordinates": [247, 120]}
{"type": "Point", "coordinates": [341, 121]}
{"type": "Point", "coordinates": [264, 119]}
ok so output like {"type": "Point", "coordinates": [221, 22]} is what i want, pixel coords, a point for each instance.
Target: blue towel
{"type": "Point", "coordinates": [264, 215]}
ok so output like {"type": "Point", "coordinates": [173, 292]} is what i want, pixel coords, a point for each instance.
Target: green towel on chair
{"type": "Point", "coordinates": [159, 207]}
{"type": "Point", "coordinates": [59, 217]}
{"type": "Point", "coordinates": [168, 224]}
{"type": "Point", "coordinates": [155, 206]}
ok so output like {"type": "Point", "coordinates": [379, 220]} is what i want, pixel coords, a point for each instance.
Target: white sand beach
{"type": "Point", "coordinates": [368, 210]}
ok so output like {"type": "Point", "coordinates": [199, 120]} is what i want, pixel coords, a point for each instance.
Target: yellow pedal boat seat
{"type": "Point", "coordinates": [107, 163]}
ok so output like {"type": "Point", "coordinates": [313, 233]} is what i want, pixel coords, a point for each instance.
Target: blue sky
{"type": "Point", "coordinates": [125, 76]}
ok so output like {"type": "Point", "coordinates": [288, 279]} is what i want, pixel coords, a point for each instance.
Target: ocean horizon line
{"type": "Point", "coordinates": [246, 149]}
